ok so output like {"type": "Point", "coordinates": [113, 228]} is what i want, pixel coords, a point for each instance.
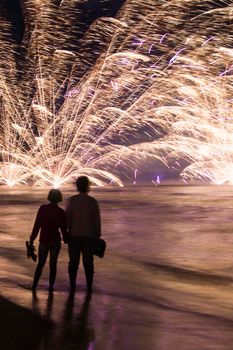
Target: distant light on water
{"type": "Point", "coordinates": [156, 181]}
{"type": "Point", "coordinates": [135, 176]}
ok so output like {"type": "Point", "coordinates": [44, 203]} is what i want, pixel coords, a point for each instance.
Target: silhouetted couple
{"type": "Point", "coordinates": [79, 226]}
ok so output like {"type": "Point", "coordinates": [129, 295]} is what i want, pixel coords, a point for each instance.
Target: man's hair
{"type": "Point", "coordinates": [54, 196]}
{"type": "Point", "coordinates": [82, 184]}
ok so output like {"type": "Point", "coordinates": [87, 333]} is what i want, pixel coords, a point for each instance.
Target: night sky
{"type": "Point", "coordinates": [93, 9]}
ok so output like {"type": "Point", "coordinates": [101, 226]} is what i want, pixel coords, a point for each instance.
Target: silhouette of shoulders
{"type": "Point", "coordinates": [82, 197]}
{"type": "Point", "coordinates": [50, 207]}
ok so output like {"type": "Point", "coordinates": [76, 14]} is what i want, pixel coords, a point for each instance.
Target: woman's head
{"type": "Point", "coordinates": [54, 196]}
{"type": "Point", "coordinates": [83, 184]}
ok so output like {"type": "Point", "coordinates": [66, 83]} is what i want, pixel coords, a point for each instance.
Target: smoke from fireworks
{"type": "Point", "coordinates": [152, 84]}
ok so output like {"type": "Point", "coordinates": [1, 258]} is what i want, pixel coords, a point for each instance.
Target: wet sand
{"type": "Point", "coordinates": [166, 281]}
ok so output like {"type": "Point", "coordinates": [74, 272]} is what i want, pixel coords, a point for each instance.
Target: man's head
{"type": "Point", "coordinates": [83, 184]}
{"type": "Point", "coordinates": [54, 196]}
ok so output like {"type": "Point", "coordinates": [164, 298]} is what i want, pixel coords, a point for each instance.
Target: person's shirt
{"type": "Point", "coordinates": [83, 216]}
{"type": "Point", "coordinates": [51, 223]}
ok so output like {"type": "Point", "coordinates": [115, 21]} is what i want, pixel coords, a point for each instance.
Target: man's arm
{"type": "Point", "coordinates": [68, 214]}
{"type": "Point", "coordinates": [97, 220]}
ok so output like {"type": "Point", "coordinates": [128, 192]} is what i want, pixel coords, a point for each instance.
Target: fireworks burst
{"type": "Point", "coordinates": [154, 83]}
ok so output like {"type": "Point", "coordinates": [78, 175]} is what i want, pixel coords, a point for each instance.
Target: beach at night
{"type": "Point", "coordinates": [135, 98]}
{"type": "Point", "coordinates": [165, 281]}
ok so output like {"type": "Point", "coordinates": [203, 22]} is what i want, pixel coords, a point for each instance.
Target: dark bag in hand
{"type": "Point", "coordinates": [99, 249]}
{"type": "Point", "coordinates": [31, 251]}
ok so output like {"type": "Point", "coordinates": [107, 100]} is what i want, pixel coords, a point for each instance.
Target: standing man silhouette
{"type": "Point", "coordinates": [84, 228]}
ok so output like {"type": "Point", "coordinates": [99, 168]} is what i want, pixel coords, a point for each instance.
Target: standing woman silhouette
{"type": "Point", "coordinates": [51, 223]}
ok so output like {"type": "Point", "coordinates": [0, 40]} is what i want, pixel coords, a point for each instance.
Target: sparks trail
{"type": "Point", "coordinates": [129, 89]}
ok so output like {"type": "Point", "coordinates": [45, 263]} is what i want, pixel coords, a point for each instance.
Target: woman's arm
{"type": "Point", "coordinates": [63, 227]}
{"type": "Point", "coordinates": [36, 227]}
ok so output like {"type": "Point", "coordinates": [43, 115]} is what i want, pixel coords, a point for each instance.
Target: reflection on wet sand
{"type": "Point", "coordinates": [73, 330]}
{"type": "Point", "coordinates": [76, 331]}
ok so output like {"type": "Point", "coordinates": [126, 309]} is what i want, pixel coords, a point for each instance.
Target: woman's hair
{"type": "Point", "coordinates": [82, 184]}
{"type": "Point", "coordinates": [55, 196]}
